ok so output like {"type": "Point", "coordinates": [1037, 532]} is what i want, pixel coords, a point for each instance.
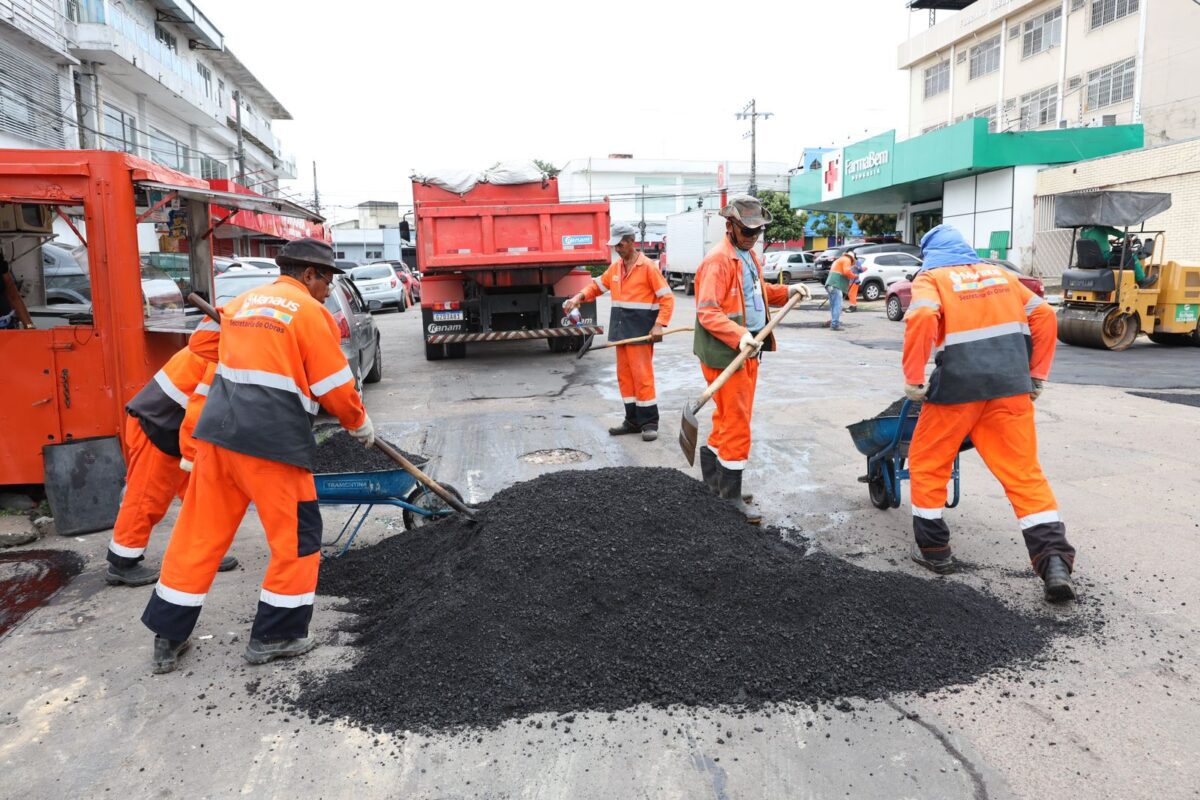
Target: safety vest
{"type": "Point", "coordinates": [187, 431]}
{"type": "Point", "coordinates": [641, 298]}
{"type": "Point", "coordinates": [992, 334]}
{"type": "Point", "coordinates": [840, 274]}
{"type": "Point", "coordinates": [160, 405]}
{"type": "Point", "coordinates": [721, 305]}
{"type": "Point", "coordinates": [280, 361]}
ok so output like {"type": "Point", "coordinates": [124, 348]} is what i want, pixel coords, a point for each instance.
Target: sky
{"type": "Point", "coordinates": [381, 89]}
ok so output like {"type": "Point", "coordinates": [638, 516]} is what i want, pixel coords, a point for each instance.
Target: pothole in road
{"type": "Point", "coordinates": [559, 455]}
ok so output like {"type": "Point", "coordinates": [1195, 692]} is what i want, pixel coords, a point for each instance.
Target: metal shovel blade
{"type": "Point", "coordinates": [587, 345]}
{"type": "Point", "coordinates": [689, 432]}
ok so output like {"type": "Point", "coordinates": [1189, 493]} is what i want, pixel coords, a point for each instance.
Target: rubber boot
{"type": "Point", "coordinates": [942, 565]}
{"type": "Point", "coordinates": [625, 427]}
{"type": "Point", "coordinates": [228, 563]}
{"type": "Point", "coordinates": [260, 652]}
{"type": "Point", "coordinates": [649, 432]}
{"type": "Point", "coordinates": [1057, 579]}
{"type": "Point", "coordinates": [708, 470]}
{"type": "Point", "coordinates": [137, 575]}
{"type": "Point", "coordinates": [730, 482]}
{"type": "Point", "coordinates": [167, 653]}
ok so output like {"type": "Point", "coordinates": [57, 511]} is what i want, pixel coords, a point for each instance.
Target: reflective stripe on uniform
{"type": "Point", "coordinates": [1033, 303]}
{"type": "Point", "coordinates": [925, 304]}
{"type": "Point", "coordinates": [729, 464]}
{"type": "Point", "coordinates": [287, 600]}
{"type": "Point", "coordinates": [202, 389]}
{"type": "Point", "coordinates": [178, 598]}
{"type": "Point", "coordinates": [600, 283]}
{"type": "Point", "coordinates": [635, 306]}
{"type": "Point", "coordinates": [170, 389]}
{"type": "Point", "coordinates": [326, 385]}
{"type": "Point", "coordinates": [271, 380]}
{"type": "Point", "coordinates": [1040, 518]}
{"type": "Point", "coordinates": [652, 401]}
{"type": "Point", "coordinates": [664, 291]}
{"type": "Point", "coordinates": [125, 552]}
{"type": "Point", "coordinates": [927, 513]}
{"type": "Point", "coordinates": [709, 304]}
{"type": "Point", "coordinates": [208, 325]}
{"type": "Point", "coordinates": [628, 399]}
{"type": "Point", "coordinates": [990, 332]}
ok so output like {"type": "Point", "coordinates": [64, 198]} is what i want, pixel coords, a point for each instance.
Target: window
{"type": "Point", "coordinates": [985, 58]}
{"type": "Point", "coordinates": [937, 79]}
{"type": "Point", "coordinates": [211, 169]}
{"type": "Point", "coordinates": [205, 78]}
{"type": "Point", "coordinates": [989, 114]}
{"type": "Point", "coordinates": [339, 253]}
{"type": "Point", "coordinates": [1106, 11]}
{"type": "Point", "coordinates": [1041, 33]}
{"type": "Point", "coordinates": [374, 254]}
{"type": "Point", "coordinates": [1111, 84]}
{"type": "Point", "coordinates": [221, 91]}
{"type": "Point", "coordinates": [933, 128]}
{"type": "Point", "coordinates": [905, 260]}
{"type": "Point", "coordinates": [1039, 108]}
{"type": "Point", "coordinates": [167, 150]}
{"type": "Point", "coordinates": [165, 38]}
{"type": "Point", "coordinates": [119, 130]}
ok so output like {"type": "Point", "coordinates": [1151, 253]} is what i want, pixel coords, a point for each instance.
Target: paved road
{"type": "Point", "coordinates": [1115, 714]}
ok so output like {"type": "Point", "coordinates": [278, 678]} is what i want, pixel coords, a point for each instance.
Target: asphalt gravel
{"type": "Point", "coordinates": [338, 451]}
{"type": "Point", "coordinates": [605, 589]}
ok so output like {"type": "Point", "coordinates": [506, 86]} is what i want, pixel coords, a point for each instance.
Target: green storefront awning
{"type": "Point", "coordinates": [878, 175]}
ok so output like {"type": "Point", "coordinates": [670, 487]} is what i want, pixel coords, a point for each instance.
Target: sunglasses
{"type": "Point", "coordinates": [750, 231]}
{"type": "Point", "coordinates": [325, 275]}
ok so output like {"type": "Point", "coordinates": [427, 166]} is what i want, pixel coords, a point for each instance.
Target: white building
{"type": "Point", "coordinates": [1039, 64]}
{"type": "Point", "coordinates": [660, 186]}
{"type": "Point", "coordinates": [372, 234]}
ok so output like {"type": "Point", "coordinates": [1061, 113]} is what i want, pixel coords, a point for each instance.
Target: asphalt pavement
{"type": "Point", "coordinates": [1115, 713]}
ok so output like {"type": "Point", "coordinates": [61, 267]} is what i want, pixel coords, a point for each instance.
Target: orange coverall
{"type": "Point", "coordinates": [280, 361]}
{"type": "Point", "coordinates": [992, 335]}
{"type": "Point", "coordinates": [152, 474]}
{"type": "Point", "coordinates": [721, 314]}
{"type": "Point", "coordinates": [641, 299]}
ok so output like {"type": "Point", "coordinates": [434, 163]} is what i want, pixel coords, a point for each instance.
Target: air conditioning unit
{"type": "Point", "coordinates": [26, 218]}
{"type": "Point", "coordinates": [1074, 82]}
{"type": "Point", "coordinates": [961, 57]}
{"type": "Point", "coordinates": [1108, 120]}
{"type": "Point", "coordinates": [1014, 31]}
{"type": "Point", "coordinates": [1077, 4]}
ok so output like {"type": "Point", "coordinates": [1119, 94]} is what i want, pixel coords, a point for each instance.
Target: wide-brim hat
{"type": "Point", "coordinates": [308, 253]}
{"type": "Point", "coordinates": [747, 210]}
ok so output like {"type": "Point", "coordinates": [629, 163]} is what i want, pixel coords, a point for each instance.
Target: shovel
{"type": "Point", "coordinates": [587, 342]}
{"type": "Point", "coordinates": [689, 428]}
{"type": "Point", "coordinates": [202, 304]}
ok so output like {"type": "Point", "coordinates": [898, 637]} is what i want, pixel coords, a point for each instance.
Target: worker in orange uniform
{"type": "Point", "coordinates": [280, 362]}
{"type": "Point", "coordinates": [642, 305]}
{"type": "Point", "coordinates": [154, 474]}
{"type": "Point", "coordinates": [995, 342]}
{"type": "Point", "coordinates": [843, 279]}
{"type": "Point", "coordinates": [187, 430]}
{"type": "Point", "coordinates": [731, 308]}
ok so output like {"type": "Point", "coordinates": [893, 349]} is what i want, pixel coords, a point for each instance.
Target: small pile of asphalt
{"type": "Point", "coordinates": [894, 409]}
{"type": "Point", "coordinates": [605, 589]}
{"type": "Point", "coordinates": [338, 451]}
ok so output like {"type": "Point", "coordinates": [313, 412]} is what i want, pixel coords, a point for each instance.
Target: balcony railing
{"type": "Point", "coordinates": [44, 20]}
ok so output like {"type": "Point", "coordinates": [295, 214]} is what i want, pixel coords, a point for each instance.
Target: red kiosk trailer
{"type": "Point", "coordinates": [68, 379]}
{"type": "Point", "coordinates": [498, 261]}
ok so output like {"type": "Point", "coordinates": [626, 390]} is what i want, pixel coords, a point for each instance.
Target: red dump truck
{"type": "Point", "coordinates": [497, 261]}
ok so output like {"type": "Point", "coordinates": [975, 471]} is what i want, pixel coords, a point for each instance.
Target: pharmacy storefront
{"type": "Point", "coordinates": [982, 183]}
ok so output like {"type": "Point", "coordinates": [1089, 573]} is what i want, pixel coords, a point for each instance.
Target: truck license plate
{"type": "Point", "coordinates": [447, 316]}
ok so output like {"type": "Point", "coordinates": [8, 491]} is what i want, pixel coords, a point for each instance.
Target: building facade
{"type": "Point", "coordinates": [1029, 65]}
{"type": "Point", "coordinates": [373, 234]}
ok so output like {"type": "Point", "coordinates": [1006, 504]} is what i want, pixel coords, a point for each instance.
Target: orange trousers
{"type": "Point", "coordinates": [1003, 432]}
{"type": "Point", "coordinates": [223, 484]}
{"type": "Point", "coordinates": [635, 378]}
{"type": "Point", "coordinates": [733, 406]}
{"type": "Point", "coordinates": [853, 295]}
{"type": "Point", "coordinates": [152, 480]}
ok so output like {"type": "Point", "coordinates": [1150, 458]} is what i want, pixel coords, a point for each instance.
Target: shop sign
{"type": "Point", "coordinates": [831, 175]}
{"type": "Point", "coordinates": [869, 164]}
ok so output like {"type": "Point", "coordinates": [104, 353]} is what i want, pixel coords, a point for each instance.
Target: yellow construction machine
{"type": "Point", "coordinates": [1104, 305]}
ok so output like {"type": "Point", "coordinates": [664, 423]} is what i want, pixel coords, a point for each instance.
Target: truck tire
{"type": "Point", "coordinates": [872, 291]}
{"type": "Point", "coordinates": [689, 285]}
{"type": "Point", "coordinates": [376, 373]}
{"type": "Point", "coordinates": [434, 352]}
{"type": "Point", "coordinates": [456, 350]}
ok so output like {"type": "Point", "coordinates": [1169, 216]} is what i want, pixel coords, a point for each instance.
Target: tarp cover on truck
{"type": "Point", "coordinates": [504, 174]}
{"type": "Point", "coordinates": [1118, 209]}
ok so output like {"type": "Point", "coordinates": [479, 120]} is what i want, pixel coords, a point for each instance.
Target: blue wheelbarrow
{"type": "Point", "coordinates": [393, 487]}
{"type": "Point", "coordinates": [884, 441]}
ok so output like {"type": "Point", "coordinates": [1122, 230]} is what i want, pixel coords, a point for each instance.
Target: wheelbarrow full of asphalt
{"type": "Point", "coordinates": [884, 441]}
{"type": "Point", "coordinates": [392, 487]}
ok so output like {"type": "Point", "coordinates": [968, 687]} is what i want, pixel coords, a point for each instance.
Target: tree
{"type": "Point", "coordinates": [823, 224]}
{"type": "Point", "coordinates": [787, 224]}
{"type": "Point", "coordinates": [547, 167]}
{"type": "Point", "coordinates": [876, 224]}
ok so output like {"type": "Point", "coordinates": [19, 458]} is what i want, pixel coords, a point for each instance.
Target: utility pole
{"type": "Point", "coordinates": [642, 224]}
{"type": "Point", "coordinates": [316, 193]}
{"type": "Point", "coordinates": [752, 113]}
{"type": "Point", "coordinates": [241, 148]}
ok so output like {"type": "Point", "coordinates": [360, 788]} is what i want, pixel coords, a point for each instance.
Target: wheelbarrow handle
{"type": "Point", "coordinates": [202, 304]}
{"type": "Point", "coordinates": [645, 338]}
{"type": "Point", "coordinates": [428, 482]}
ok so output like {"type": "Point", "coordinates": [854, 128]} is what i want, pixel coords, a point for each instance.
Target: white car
{"type": "Point", "coordinates": [881, 270]}
{"type": "Point", "coordinates": [795, 265]}
{"type": "Point", "coordinates": [379, 282]}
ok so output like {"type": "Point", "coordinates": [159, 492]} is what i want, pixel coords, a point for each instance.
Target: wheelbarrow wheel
{"type": "Point", "coordinates": [426, 500]}
{"type": "Point", "coordinates": [877, 487]}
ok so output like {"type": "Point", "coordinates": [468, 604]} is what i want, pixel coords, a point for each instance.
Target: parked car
{"type": "Point", "coordinates": [826, 259]}
{"type": "Point", "coordinates": [410, 279]}
{"type": "Point", "coordinates": [881, 270]}
{"type": "Point", "coordinates": [899, 294]}
{"type": "Point", "coordinates": [258, 262]}
{"type": "Point", "coordinates": [380, 282]}
{"type": "Point", "coordinates": [222, 264]}
{"type": "Point", "coordinates": [360, 334]}
{"type": "Point", "coordinates": [794, 265]}
{"type": "Point", "coordinates": [65, 279]}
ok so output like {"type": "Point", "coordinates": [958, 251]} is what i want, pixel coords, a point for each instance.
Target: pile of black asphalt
{"type": "Point", "coordinates": [338, 451]}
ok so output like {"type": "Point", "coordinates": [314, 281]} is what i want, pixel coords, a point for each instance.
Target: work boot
{"type": "Point", "coordinates": [625, 427]}
{"type": "Point", "coordinates": [835, 327]}
{"type": "Point", "coordinates": [137, 575]}
{"type": "Point", "coordinates": [228, 563]}
{"type": "Point", "coordinates": [260, 652]}
{"type": "Point", "coordinates": [167, 653]}
{"type": "Point", "coordinates": [941, 564]}
{"type": "Point", "coordinates": [1057, 577]}
{"type": "Point", "coordinates": [708, 470]}
{"type": "Point", "coordinates": [730, 483]}
{"type": "Point", "coordinates": [1148, 281]}
{"type": "Point", "coordinates": [649, 432]}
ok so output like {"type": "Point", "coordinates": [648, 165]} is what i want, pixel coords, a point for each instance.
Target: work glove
{"type": "Point", "coordinates": [185, 465]}
{"type": "Point", "coordinates": [800, 289]}
{"type": "Point", "coordinates": [365, 433]}
{"type": "Point", "coordinates": [748, 341]}
{"type": "Point", "coordinates": [915, 392]}
{"type": "Point", "coordinates": [1039, 386]}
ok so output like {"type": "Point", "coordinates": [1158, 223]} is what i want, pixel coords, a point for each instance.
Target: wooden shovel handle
{"type": "Point", "coordinates": [429, 482]}
{"type": "Point", "coordinates": [736, 364]}
{"type": "Point", "coordinates": [645, 338]}
{"type": "Point", "coordinates": [202, 304]}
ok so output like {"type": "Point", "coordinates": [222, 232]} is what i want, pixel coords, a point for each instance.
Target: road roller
{"type": "Point", "coordinates": [1104, 305]}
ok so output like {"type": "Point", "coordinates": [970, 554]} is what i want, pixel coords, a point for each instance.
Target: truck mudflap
{"type": "Point", "coordinates": [513, 336]}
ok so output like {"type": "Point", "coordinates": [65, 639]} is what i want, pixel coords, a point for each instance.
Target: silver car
{"type": "Point", "coordinates": [792, 265]}
{"type": "Point", "coordinates": [379, 282]}
{"type": "Point", "coordinates": [360, 335]}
